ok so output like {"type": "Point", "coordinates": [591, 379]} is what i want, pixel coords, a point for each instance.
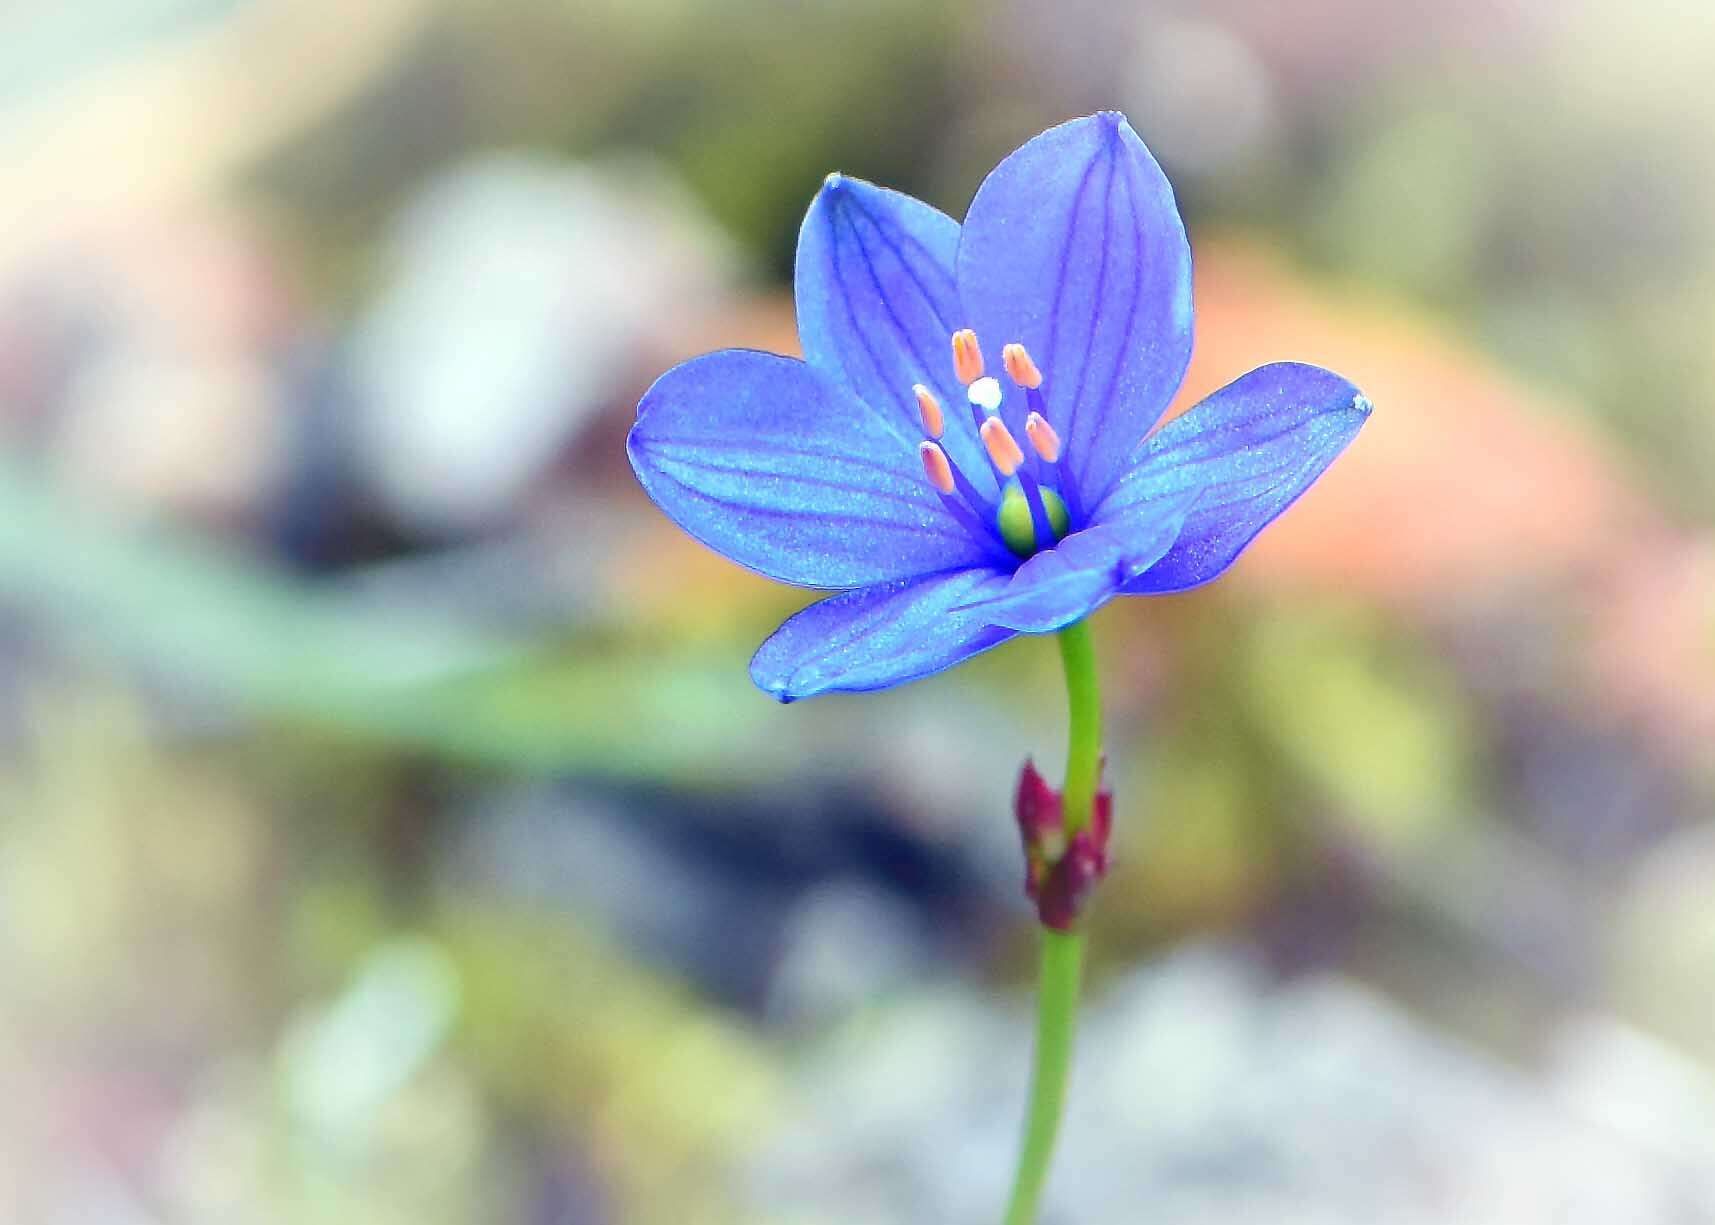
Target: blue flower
{"type": "Point", "coordinates": [883, 469]}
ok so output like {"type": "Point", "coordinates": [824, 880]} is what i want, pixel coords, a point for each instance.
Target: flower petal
{"type": "Point", "coordinates": [877, 637]}
{"type": "Point", "coordinates": [774, 465]}
{"type": "Point", "coordinates": [877, 306]}
{"type": "Point", "coordinates": [1087, 569]}
{"type": "Point", "coordinates": [1253, 447]}
{"type": "Point", "coordinates": [1074, 247]}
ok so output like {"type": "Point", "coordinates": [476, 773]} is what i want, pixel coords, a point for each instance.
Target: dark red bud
{"type": "Point", "coordinates": [1037, 806]}
{"type": "Point", "coordinates": [1068, 883]}
{"type": "Point", "coordinates": [1059, 874]}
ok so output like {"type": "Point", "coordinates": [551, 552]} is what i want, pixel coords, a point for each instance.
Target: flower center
{"type": "Point", "coordinates": [1035, 507]}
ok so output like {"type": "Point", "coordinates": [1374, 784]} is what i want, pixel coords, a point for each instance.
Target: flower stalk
{"type": "Point", "coordinates": [1062, 950]}
{"type": "Point", "coordinates": [1084, 731]}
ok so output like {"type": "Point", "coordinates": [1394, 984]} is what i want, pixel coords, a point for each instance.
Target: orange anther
{"type": "Point", "coordinates": [930, 410]}
{"type": "Point", "coordinates": [1002, 447]}
{"type": "Point", "coordinates": [967, 356]}
{"type": "Point", "coordinates": [936, 466]}
{"type": "Point", "coordinates": [1042, 437]}
{"type": "Point", "coordinates": [1020, 368]}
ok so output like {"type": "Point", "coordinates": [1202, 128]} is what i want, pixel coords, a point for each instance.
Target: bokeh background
{"type": "Point", "coordinates": [389, 831]}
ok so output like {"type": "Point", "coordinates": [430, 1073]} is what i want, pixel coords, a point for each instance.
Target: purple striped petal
{"type": "Point", "coordinates": [1074, 247]}
{"type": "Point", "coordinates": [877, 306]}
{"type": "Point", "coordinates": [878, 637]}
{"type": "Point", "coordinates": [1253, 447]}
{"type": "Point", "coordinates": [774, 465]}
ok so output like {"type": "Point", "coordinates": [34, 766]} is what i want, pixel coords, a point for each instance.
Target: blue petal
{"type": "Point", "coordinates": [1252, 447]}
{"type": "Point", "coordinates": [1087, 569]}
{"type": "Point", "coordinates": [877, 637]}
{"type": "Point", "coordinates": [1074, 247]}
{"type": "Point", "coordinates": [877, 306]}
{"type": "Point", "coordinates": [774, 465]}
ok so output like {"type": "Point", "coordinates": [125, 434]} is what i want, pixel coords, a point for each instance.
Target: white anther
{"type": "Point", "coordinates": [985, 394]}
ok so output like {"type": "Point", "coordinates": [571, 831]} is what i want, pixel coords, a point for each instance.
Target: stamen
{"type": "Point", "coordinates": [954, 486]}
{"type": "Point", "coordinates": [1031, 515]}
{"type": "Point", "coordinates": [957, 493]}
{"type": "Point", "coordinates": [1042, 437]}
{"type": "Point", "coordinates": [967, 357]}
{"type": "Point", "coordinates": [1002, 447]}
{"type": "Point", "coordinates": [936, 466]}
{"type": "Point", "coordinates": [1023, 370]}
{"type": "Point", "coordinates": [1019, 366]}
{"type": "Point", "coordinates": [985, 394]}
{"type": "Point", "coordinates": [934, 424]}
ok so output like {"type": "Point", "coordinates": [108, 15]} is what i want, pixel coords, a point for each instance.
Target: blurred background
{"type": "Point", "coordinates": [389, 831]}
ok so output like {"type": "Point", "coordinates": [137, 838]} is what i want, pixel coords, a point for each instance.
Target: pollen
{"type": "Point", "coordinates": [936, 466]}
{"type": "Point", "coordinates": [1043, 439]}
{"type": "Point", "coordinates": [967, 356]}
{"type": "Point", "coordinates": [1020, 367]}
{"type": "Point", "coordinates": [934, 424]}
{"type": "Point", "coordinates": [985, 394]}
{"type": "Point", "coordinates": [1002, 447]}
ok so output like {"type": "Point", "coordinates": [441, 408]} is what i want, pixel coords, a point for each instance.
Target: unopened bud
{"type": "Point", "coordinates": [1067, 885]}
{"type": "Point", "coordinates": [1060, 872]}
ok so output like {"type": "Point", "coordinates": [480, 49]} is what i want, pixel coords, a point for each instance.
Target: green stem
{"type": "Point", "coordinates": [1062, 952]}
{"type": "Point", "coordinates": [1056, 1021]}
{"type": "Point", "coordinates": [1084, 732]}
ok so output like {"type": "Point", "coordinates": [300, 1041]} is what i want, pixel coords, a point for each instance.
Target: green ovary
{"type": "Point", "coordinates": [1015, 525]}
